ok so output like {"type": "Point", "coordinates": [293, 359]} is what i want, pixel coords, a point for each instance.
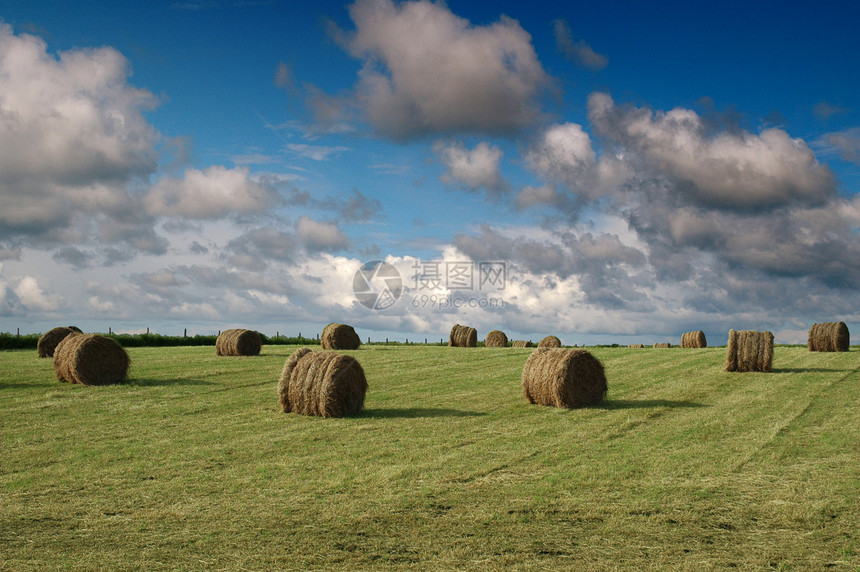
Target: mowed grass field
{"type": "Point", "coordinates": [190, 466]}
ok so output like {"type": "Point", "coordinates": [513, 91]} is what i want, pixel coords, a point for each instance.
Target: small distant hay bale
{"type": "Point", "coordinates": [496, 339]}
{"type": "Point", "coordinates": [90, 359]}
{"type": "Point", "coordinates": [828, 337]}
{"type": "Point", "coordinates": [48, 341]}
{"type": "Point", "coordinates": [522, 344]}
{"type": "Point", "coordinates": [324, 383]}
{"type": "Point", "coordinates": [563, 378]}
{"type": "Point", "coordinates": [339, 337]}
{"type": "Point", "coordinates": [636, 346]}
{"type": "Point", "coordinates": [549, 342]}
{"type": "Point", "coordinates": [463, 337]}
{"type": "Point", "coordinates": [694, 340]}
{"type": "Point", "coordinates": [238, 342]}
{"type": "Point", "coordinates": [662, 345]}
{"type": "Point", "coordinates": [748, 350]}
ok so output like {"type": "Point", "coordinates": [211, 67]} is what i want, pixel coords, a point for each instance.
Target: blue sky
{"type": "Point", "coordinates": [636, 171]}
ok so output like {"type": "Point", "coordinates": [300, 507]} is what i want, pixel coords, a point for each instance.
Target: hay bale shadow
{"type": "Point", "coordinates": [156, 382]}
{"type": "Point", "coordinates": [811, 370]}
{"type": "Point", "coordinates": [417, 412]}
{"type": "Point", "coordinates": [643, 404]}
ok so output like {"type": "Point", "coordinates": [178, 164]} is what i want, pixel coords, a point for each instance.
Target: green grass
{"type": "Point", "coordinates": [190, 466]}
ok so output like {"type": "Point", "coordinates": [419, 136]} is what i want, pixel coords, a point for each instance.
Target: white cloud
{"type": "Point", "coordinates": [578, 51]}
{"type": "Point", "coordinates": [320, 236]}
{"type": "Point", "coordinates": [726, 170]}
{"type": "Point", "coordinates": [844, 143]}
{"type": "Point", "coordinates": [212, 193]}
{"type": "Point", "coordinates": [544, 195]}
{"type": "Point", "coordinates": [33, 297]}
{"type": "Point", "coordinates": [203, 310]}
{"type": "Point", "coordinates": [474, 169]}
{"type": "Point", "coordinates": [427, 70]}
{"type": "Point", "coordinates": [72, 134]}
{"type": "Point", "coordinates": [101, 306]}
{"type": "Point", "coordinates": [315, 152]}
{"type": "Point", "coordinates": [564, 154]}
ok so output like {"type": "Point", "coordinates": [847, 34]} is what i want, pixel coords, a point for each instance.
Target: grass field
{"type": "Point", "coordinates": [190, 466]}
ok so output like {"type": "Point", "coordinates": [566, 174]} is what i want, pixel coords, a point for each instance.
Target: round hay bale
{"type": "Point", "coordinates": [496, 339]}
{"type": "Point", "coordinates": [522, 344]}
{"type": "Point", "coordinates": [636, 346]}
{"type": "Point", "coordinates": [48, 341]}
{"type": "Point", "coordinates": [549, 342]}
{"type": "Point", "coordinates": [748, 350]}
{"type": "Point", "coordinates": [90, 359]}
{"type": "Point", "coordinates": [663, 345]}
{"type": "Point", "coordinates": [463, 337]}
{"type": "Point", "coordinates": [563, 378]}
{"type": "Point", "coordinates": [828, 337]}
{"type": "Point", "coordinates": [339, 337]}
{"type": "Point", "coordinates": [694, 340]}
{"type": "Point", "coordinates": [325, 384]}
{"type": "Point", "coordinates": [238, 342]}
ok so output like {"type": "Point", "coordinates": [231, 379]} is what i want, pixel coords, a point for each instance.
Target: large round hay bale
{"type": "Point", "coordinates": [828, 337]}
{"type": "Point", "coordinates": [549, 342]}
{"type": "Point", "coordinates": [522, 344]}
{"type": "Point", "coordinates": [662, 345]}
{"type": "Point", "coordinates": [339, 337]}
{"type": "Point", "coordinates": [463, 337]}
{"type": "Point", "coordinates": [238, 342]}
{"type": "Point", "coordinates": [48, 341]}
{"type": "Point", "coordinates": [748, 350]}
{"type": "Point", "coordinates": [636, 346]}
{"type": "Point", "coordinates": [694, 340]}
{"type": "Point", "coordinates": [325, 383]}
{"type": "Point", "coordinates": [496, 339]}
{"type": "Point", "coordinates": [563, 378]}
{"type": "Point", "coordinates": [90, 359]}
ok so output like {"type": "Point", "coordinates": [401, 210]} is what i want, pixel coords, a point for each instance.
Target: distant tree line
{"type": "Point", "coordinates": [29, 341]}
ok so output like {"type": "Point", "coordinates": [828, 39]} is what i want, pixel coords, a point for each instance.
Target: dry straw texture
{"type": "Point", "coordinates": [339, 337]}
{"type": "Point", "coordinates": [828, 337]}
{"type": "Point", "coordinates": [48, 341]}
{"type": "Point", "coordinates": [496, 339]}
{"type": "Point", "coordinates": [90, 359]}
{"type": "Point", "coordinates": [522, 344]}
{"type": "Point", "coordinates": [663, 345]}
{"type": "Point", "coordinates": [748, 350]}
{"type": "Point", "coordinates": [326, 384]}
{"type": "Point", "coordinates": [636, 346]}
{"type": "Point", "coordinates": [694, 340]}
{"type": "Point", "coordinates": [549, 342]}
{"type": "Point", "coordinates": [564, 378]}
{"type": "Point", "coordinates": [463, 337]}
{"type": "Point", "coordinates": [238, 342]}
